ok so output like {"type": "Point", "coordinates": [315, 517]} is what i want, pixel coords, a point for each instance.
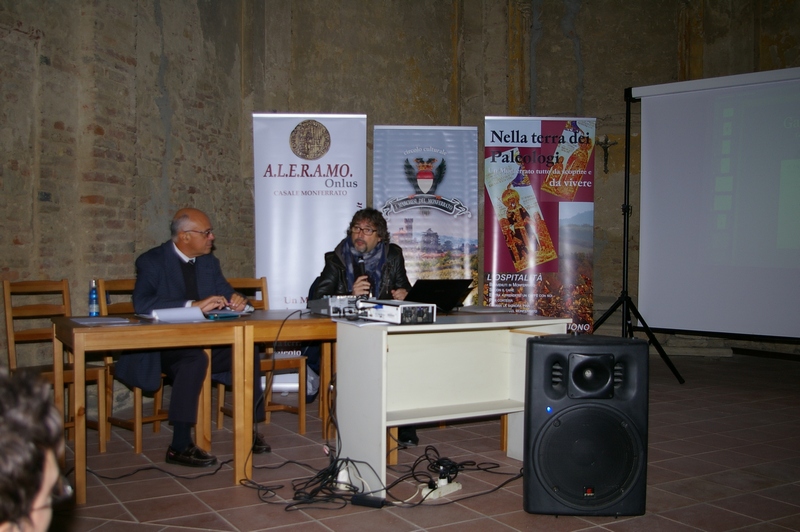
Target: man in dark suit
{"type": "Point", "coordinates": [183, 272]}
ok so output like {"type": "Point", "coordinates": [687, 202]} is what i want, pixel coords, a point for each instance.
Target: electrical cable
{"type": "Point", "coordinates": [327, 490]}
{"type": "Point", "coordinates": [323, 489]}
{"type": "Point", "coordinates": [265, 491]}
{"type": "Point", "coordinates": [435, 464]}
{"type": "Point", "coordinates": [157, 468]}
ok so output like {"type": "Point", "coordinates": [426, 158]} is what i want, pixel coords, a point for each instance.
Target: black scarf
{"type": "Point", "coordinates": [373, 261]}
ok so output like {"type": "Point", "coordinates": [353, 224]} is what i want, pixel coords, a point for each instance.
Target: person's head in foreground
{"type": "Point", "coordinates": [31, 436]}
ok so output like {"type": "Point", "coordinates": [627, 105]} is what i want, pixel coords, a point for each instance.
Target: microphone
{"type": "Point", "coordinates": [360, 269]}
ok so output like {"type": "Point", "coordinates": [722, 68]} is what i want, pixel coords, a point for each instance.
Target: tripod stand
{"type": "Point", "coordinates": [624, 300]}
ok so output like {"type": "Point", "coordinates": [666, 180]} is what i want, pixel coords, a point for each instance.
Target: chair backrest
{"type": "Point", "coordinates": [52, 299]}
{"type": "Point", "coordinates": [249, 287]}
{"type": "Point", "coordinates": [111, 287]}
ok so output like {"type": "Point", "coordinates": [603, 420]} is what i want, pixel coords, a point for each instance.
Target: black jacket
{"type": "Point", "coordinates": [333, 279]}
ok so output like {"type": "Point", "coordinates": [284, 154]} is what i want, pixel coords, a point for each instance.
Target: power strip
{"type": "Point", "coordinates": [343, 479]}
{"type": "Point", "coordinates": [445, 490]}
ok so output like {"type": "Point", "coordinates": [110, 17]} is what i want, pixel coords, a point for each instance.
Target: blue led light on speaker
{"type": "Point", "coordinates": [549, 409]}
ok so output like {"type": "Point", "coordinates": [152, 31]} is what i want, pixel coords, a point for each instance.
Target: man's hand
{"type": "Point", "coordinates": [361, 286]}
{"type": "Point", "coordinates": [238, 302]}
{"type": "Point", "coordinates": [211, 303]}
{"type": "Point", "coordinates": [400, 294]}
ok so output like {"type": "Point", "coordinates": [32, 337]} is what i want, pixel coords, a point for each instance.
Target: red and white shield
{"type": "Point", "coordinates": [425, 180]}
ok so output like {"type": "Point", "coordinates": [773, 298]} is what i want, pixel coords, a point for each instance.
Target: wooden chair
{"type": "Point", "coordinates": [107, 288]}
{"type": "Point", "coordinates": [249, 287]}
{"type": "Point", "coordinates": [41, 300]}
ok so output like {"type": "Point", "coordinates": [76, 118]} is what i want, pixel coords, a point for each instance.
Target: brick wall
{"type": "Point", "coordinates": [115, 113]}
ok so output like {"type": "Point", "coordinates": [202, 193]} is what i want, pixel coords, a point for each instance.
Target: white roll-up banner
{"type": "Point", "coordinates": [310, 177]}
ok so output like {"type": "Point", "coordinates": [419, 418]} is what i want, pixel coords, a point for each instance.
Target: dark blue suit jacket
{"type": "Point", "coordinates": [159, 279]}
{"type": "Point", "coordinates": [159, 284]}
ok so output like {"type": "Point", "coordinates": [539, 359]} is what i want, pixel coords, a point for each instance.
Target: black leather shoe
{"type": "Point", "coordinates": [193, 456]}
{"type": "Point", "coordinates": [260, 446]}
{"type": "Point", "coordinates": [407, 436]}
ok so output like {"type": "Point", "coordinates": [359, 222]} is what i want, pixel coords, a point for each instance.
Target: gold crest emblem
{"type": "Point", "coordinates": [310, 140]}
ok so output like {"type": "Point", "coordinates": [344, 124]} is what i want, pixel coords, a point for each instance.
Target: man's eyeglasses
{"type": "Point", "coordinates": [61, 492]}
{"type": "Point", "coordinates": [207, 233]}
{"type": "Point", "coordinates": [368, 231]}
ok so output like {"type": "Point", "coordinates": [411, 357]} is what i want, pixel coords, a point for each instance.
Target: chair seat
{"type": "Point", "coordinates": [135, 424]}
{"type": "Point", "coordinates": [251, 287]}
{"type": "Point", "coordinates": [270, 365]}
{"type": "Point", "coordinates": [45, 371]}
{"type": "Point", "coordinates": [278, 364]}
{"type": "Point", "coordinates": [106, 289]}
{"type": "Point", "coordinates": [39, 300]}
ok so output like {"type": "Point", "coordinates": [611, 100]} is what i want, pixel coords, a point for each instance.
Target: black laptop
{"type": "Point", "coordinates": [446, 294]}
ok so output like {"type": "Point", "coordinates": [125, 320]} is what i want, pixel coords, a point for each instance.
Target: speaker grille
{"type": "Point", "coordinates": [588, 457]}
{"type": "Point", "coordinates": [619, 375]}
{"type": "Point", "coordinates": [557, 375]}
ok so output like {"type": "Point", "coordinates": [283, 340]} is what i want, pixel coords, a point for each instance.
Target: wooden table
{"type": "Point", "coordinates": [262, 326]}
{"type": "Point", "coordinates": [142, 335]}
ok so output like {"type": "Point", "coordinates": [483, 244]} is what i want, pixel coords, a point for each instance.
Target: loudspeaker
{"type": "Point", "coordinates": [585, 425]}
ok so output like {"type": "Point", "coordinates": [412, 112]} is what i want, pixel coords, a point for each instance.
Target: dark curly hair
{"type": "Point", "coordinates": [374, 218]}
{"type": "Point", "coordinates": [30, 427]}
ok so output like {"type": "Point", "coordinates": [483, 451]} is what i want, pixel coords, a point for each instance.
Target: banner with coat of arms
{"type": "Point", "coordinates": [310, 177]}
{"type": "Point", "coordinates": [539, 216]}
{"type": "Point", "coordinates": [425, 181]}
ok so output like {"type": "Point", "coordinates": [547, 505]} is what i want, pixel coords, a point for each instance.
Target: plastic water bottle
{"type": "Point", "coordinates": [94, 306]}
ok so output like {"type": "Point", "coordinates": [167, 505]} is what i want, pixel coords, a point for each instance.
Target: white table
{"type": "Point", "coordinates": [462, 366]}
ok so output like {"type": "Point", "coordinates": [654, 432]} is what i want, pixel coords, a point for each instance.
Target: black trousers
{"type": "Point", "coordinates": [313, 354]}
{"type": "Point", "coordinates": [186, 368]}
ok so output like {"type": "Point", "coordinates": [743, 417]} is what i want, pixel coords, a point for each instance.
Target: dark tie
{"type": "Point", "coordinates": [190, 280]}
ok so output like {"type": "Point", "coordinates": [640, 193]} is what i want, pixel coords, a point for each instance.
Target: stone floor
{"type": "Point", "coordinates": [724, 454]}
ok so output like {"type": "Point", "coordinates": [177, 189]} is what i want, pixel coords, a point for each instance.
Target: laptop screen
{"type": "Point", "coordinates": [446, 294]}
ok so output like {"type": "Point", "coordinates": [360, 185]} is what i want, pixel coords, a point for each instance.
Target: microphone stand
{"type": "Point", "coordinates": [624, 300]}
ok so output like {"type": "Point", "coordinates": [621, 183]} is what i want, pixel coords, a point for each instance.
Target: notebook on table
{"type": "Point", "coordinates": [192, 314]}
{"type": "Point", "coordinates": [446, 294]}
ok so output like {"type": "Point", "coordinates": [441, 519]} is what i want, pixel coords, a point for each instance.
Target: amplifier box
{"type": "Point", "coordinates": [397, 312]}
{"type": "Point", "coordinates": [334, 306]}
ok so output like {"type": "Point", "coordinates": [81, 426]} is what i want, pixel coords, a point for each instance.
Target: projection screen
{"type": "Point", "coordinates": [720, 205]}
